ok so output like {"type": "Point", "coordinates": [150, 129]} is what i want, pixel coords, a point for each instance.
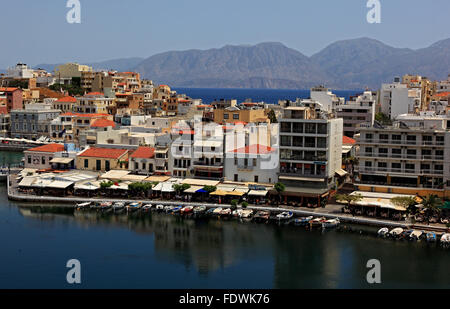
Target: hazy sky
{"type": "Point", "coordinates": [37, 31]}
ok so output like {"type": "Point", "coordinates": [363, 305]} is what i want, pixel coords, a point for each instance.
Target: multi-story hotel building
{"type": "Point", "coordinates": [410, 157]}
{"type": "Point", "coordinates": [355, 112]}
{"type": "Point", "coordinates": [310, 153]}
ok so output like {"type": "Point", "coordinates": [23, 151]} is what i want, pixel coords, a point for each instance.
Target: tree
{"type": "Point", "coordinates": [210, 189]}
{"type": "Point", "coordinates": [244, 205]}
{"type": "Point", "coordinates": [106, 184]}
{"type": "Point", "coordinates": [349, 198]}
{"type": "Point", "coordinates": [407, 202]}
{"type": "Point", "coordinates": [272, 117]}
{"type": "Point", "coordinates": [181, 188]}
{"type": "Point", "coordinates": [234, 203]}
{"type": "Point", "coordinates": [280, 188]}
{"type": "Point", "coordinates": [432, 204]}
{"type": "Point", "coordinates": [383, 119]}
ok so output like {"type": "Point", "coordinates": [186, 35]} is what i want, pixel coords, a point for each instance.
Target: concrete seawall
{"type": "Point", "coordinates": [72, 201]}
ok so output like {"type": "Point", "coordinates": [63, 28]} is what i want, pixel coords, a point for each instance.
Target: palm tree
{"type": "Point", "coordinates": [432, 204]}
{"type": "Point", "coordinates": [407, 202]}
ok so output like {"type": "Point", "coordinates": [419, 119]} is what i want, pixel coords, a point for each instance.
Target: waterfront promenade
{"type": "Point", "coordinates": [330, 212]}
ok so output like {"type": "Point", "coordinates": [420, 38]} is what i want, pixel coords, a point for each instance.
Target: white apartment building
{"type": "Point", "coordinates": [310, 153]}
{"type": "Point", "coordinates": [410, 157]}
{"type": "Point", "coordinates": [443, 86]}
{"type": "Point", "coordinates": [396, 99]}
{"type": "Point", "coordinates": [355, 112]}
{"type": "Point", "coordinates": [21, 70]}
{"type": "Point", "coordinates": [93, 103]}
{"type": "Point", "coordinates": [326, 98]}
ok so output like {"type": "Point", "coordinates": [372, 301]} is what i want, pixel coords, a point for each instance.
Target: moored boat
{"type": "Point", "coordinates": [286, 215]}
{"type": "Point", "coordinates": [199, 210]}
{"type": "Point", "coordinates": [246, 213]}
{"type": "Point", "coordinates": [187, 210]}
{"type": "Point", "coordinates": [262, 216]}
{"type": "Point", "coordinates": [406, 234]}
{"type": "Point", "coordinates": [133, 207]}
{"type": "Point", "coordinates": [331, 223]}
{"type": "Point", "coordinates": [317, 222]}
{"type": "Point", "coordinates": [396, 232]}
{"type": "Point", "coordinates": [176, 210]}
{"type": "Point", "coordinates": [85, 205]}
{"type": "Point", "coordinates": [445, 239]}
{"type": "Point", "coordinates": [210, 211]}
{"type": "Point", "coordinates": [159, 207]}
{"type": "Point", "coordinates": [431, 237]}
{"type": "Point", "coordinates": [416, 235]}
{"type": "Point", "coordinates": [383, 232]}
{"type": "Point", "coordinates": [168, 209]}
{"type": "Point", "coordinates": [118, 207]}
{"type": "Point", "coordinates": [225, 212]}
{"type": "Point", "coordinates": [303, 221]}
{"type": "Point", "coordinates": [217, 211]}
{"type": "Point", "coordinates": [147, 207]}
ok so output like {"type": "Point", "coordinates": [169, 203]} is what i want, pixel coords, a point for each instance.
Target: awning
{"type": "Point", "coordinates": [115, 174]}
{"type": "Point", "coordinates": [236, 193]}
{"type": "Point", "coordinates": [341, 172]}
{"type": "Point", "coordinates": [86, 186]}
{"type": "Point", "coordinates": [302, 178]}
{"type": "Point", "coordinates": [193, 189]}
{"type": "Point", "coordinates": [157, 178]}
{"type": "Point", "coordinates": [134, 178]}
{"type": "Point", "coordinates": [258, 193]}
{"type": "Point", "coordinates": [200, 182]}
{"type": "Point", "coordinates": [167, 187]}
{"type": "Point", "coordinates": [162, 150]}
{"type": "Point", "coordinates": [61, 160]}
{"type": "Point", "coordinates": [158, 187]}
{"type": "Point", "coordinates": [219, 193]}
{"type": "Point", "coordinates": [27, 182]}
{"type": "Point", "coordinates": [60, 184]}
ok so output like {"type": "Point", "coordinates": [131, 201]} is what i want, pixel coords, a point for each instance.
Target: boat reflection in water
{"type": "Point", "coordinates": [235, 253]}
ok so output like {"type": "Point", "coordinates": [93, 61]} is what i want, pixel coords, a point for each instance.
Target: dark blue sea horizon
{"type": "Point", "coordinates": [270, 96]}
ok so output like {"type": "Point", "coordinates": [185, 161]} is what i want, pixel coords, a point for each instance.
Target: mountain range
{"type": "Point", "coordinates": [348, 64]}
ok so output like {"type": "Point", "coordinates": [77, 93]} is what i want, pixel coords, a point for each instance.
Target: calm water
{"type": "Point", "coordinates": [271, 96]}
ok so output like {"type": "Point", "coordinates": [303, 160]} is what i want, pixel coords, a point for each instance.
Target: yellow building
{"type": "Point", "coordinates": [234, 114]}
{"type": "Point", "coordinates": [102, 159]}
{"type": "Point", "coordinates": [70, 70]}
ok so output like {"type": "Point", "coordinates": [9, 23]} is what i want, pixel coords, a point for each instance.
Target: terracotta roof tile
{"type": "Point", "coordinates": [103, 123]}
{"type": "Point", "coordinates": [254, 149]}
{"type": "Point", "coordinates": [110, 153]}
{"type": "Point", "coordinates": [143, 153]}
{"type": "Point", "coordinates": [348, 141]}
{"type": "Point", "coordinates": [48, 148]}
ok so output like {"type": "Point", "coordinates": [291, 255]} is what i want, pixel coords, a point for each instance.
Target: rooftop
{"type": "Point", "coordinates": [143, 153]}
{"type": "Point", "coordinates": [103, 123]}
{"type": "Point", "coordinates": [110, 153]}
{"type": "Point", "coordinates": [48, 148]}
{"type": "Point", "coordinates": [254, 149]}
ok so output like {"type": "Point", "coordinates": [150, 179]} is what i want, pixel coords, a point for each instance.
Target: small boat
{"type": "Point", "coordinates": [383, 232]}
{"type": "Point", "coordinates": [176, 210]}
{"type": "Point", "coordinates": [217, 211]}
{"type": "Point", "coordinates": [396, 232]}
{"type": "Point", "coordinates": [133, 207]}
{"type": "Point", "coordinates": [431, 237]}
{"type": "Point", "coordinates": [406, 234]}
{"type": "Point", "coordinates": [303, 221]}
{"type": "Point", "coordinates": [445, 239]}
{"type": "Point", "coordinates": [415, 235]}
{"type": "Point", "coordinates": [168, 209]}
{"type": "Point", "coordinates": [246, 213]}
{"type": "Point", "coordinates": [199, 210]}
{"type": "Point", "coordinates": [187, 210]}
{"type": "Point", "coordinates": [261, 216]}
{"type": "Point", "coordinates": [210, 211]}
{"type": "Point", "coordinates": [236, 213]}
{"type": "Point", "coordinates": [225, 212]}
{"type": "Point", "coordinates": [331, 223]}
{"type": "Point", "coordinates": [85, 205]}
{"type": "Point", "coordinates": [159, 207]}
{"type": "Point", "coordinates": [147, 207]}
{"type": "Point", "coordinates": [285, 215]}
{"type": "Point", "coordinates": [317, 221]}
{"type": "Point", "coordinates": [118, 206]}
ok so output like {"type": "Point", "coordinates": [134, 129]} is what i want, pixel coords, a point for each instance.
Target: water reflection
{"type": "Point", "coordinates": [293, 257]}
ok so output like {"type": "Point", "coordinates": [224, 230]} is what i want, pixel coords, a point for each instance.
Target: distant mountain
{"type": "Point", "coordinates": [123, 64]}
{"type": "Point", "coordinates": [349, 64]}
{"type": "Point", "coordinates": [266, 65]}
{"type": "Point", "coordinates": [366, 62]}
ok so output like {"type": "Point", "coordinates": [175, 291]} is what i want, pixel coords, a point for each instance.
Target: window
{"type": "Point", "coordinates": [254, 162]}
{"type": "Point", "coordinates": [256, 178]}
{"type": "Point", "coordinates": [236, 116]}
{"type": "Point", "coordinates": [235, 177]}
{"type": "Point", "coordinates": [43, 160]}
{"type": "Point", "coordinates": [29, 159]}
{"type": "Point", "coordinates": [86, 163]}
{"type": "Point", "coordinates": [226, 116]}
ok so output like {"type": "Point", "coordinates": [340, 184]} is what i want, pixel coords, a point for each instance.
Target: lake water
{"type": "Point", "coordinates": [270, 96]}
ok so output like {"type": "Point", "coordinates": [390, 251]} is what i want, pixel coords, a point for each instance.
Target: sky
{"type": "Point", "coordinates": [37, 32]}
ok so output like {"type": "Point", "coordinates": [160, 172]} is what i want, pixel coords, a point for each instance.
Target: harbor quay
{"type": "Point", "coordinates": [329, 212]}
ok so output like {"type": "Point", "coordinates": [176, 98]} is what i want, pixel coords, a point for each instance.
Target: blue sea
{"type": "Point", "coordinates": [270, 96]}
